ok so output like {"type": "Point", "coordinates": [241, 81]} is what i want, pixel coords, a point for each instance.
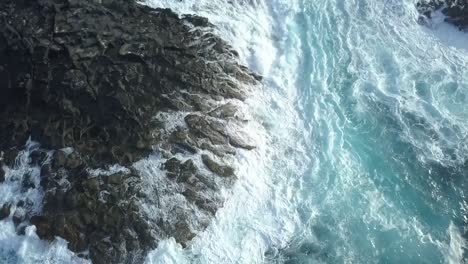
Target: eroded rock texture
{"type": "Point", "coordinates": [86, 79]}
{"type": "Point", "coordinates": [456, 11]}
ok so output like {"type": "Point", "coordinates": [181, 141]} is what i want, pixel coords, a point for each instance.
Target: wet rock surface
{"type": "Point", "coordinates": [98, 212]}
{"type": "Point", "coordinates": [5, 211]}
{"type": "Point", "coordinates": [456, 11]}
{"type": "Point", "coordinates": [96, 82]}
{"type": "Point", "coordinates": [2, 175]}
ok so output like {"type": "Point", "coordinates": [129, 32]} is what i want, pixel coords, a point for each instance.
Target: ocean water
{"type": "Point", "coordinates": [362, 133]}
{"type": "Point", "coordinates": [366, 117]}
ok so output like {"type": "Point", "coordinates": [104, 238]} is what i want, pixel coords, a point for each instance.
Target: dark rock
{"type": "Point", "coordinates": [19, 216]}
{"type": "Point", "coordinates": [28, 182]}
{"type": "Point", "coordinates": [5, 211]}
{"type": "Point", "coordinates": [198, 21]}
{"type": "Point", "coordinates": [455, 10]}
{"type": "Point", "coordinates": [173, 167]}
{"type": "Point", "coordinates": [38, 157]}
{"type": "Point", "coordinates": [2, 174]}
{"type": "Point", "coordinates": [60, 159]}
{"type": "Point", "coordinates": [9, 157]}
{"type": "Point", "coordinates": [20, 203]}
{"type": "Point", "coordinates": [214, 130]}
{"type": "Point", "coordinates": [69, 227]}
{"type": "Point", "coordinates": [182, 229]}
{"type": "Point", "coordinates": [182, 143]}
{"type": "Point", "coordinates": [73, 160]}
{"type": "Point", "coordinates": [187, 169]}
{"type": "Point", "coordinates": [43, 226]}
{"type": "Point", "coordinates": [79, 79]}
{"type": "Point", "coordinates": [92, 185]}
{"type": "Point", "coordinates": [2, 164]}
{"type": "Point", "coordinates": [218, 150]}
{"type": "Point", "coordinates": [221, 170]}
{"type": "Point", "coordinates": [84, 84]}
{"type": "Point", "coordinates": [116, 179]}
{"type": "Point", "coordinates": [95, 209]}
{"type": "Point", "coordinates": [202, 127]}
{"type": "Point", "coordinates": [228, 110]}
{"type": "Point", "coordinates": [180, 171]}
{"type": "Point", "coordinates": [240, 142]}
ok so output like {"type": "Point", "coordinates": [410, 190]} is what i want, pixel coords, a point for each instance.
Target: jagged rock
{"type": "Point", "coordinates": [228, 110]}
{"type": "Point", "coordinates": [180, 171]}
{"type": "Point", "coordinates": [221, 170]}
{"type": "Point", "coordinates": [217, 134]}
{"type": "Point", "coordinates": [180, 142]}
{"type": "Point", "coordinates": [88, 77]}
{"type": "Point", "coordinates": [94, 209]}
{"type": "Point", "coordinates": [202, 127]}
{"type": "Point", "coordinates": [456, 11]}
{"type": "Point", "coordinates": [239, 141]}
{"type": "Point", "coordinates": [198, 21]}
{"type": "Point", "coordinates": [87, 86]}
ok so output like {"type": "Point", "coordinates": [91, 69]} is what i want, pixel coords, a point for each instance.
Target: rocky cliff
{"type": "Point", "coordinates": [94, 82]}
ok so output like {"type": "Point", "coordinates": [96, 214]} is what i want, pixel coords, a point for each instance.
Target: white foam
{"type": "Point", "coordinates": [457, 245]}
{"type": "Point", "coordinates": [419, 73]}
{"type": "Point", "coordinates": [258, 215]}
{"type": "Point", "coordinates": [168, 252]}
{"type": "Point", "coordinates": [261, 213]}
{"type": "Point", "coordinates": [113, 169]}
{"type": "Point", "coordinates": [448, 34]}
{"type": "Point", "coordinates": [28, 248]}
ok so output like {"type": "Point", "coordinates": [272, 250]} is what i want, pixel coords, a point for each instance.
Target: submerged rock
{"type": "Point", "coordinates": [5, 211]}
{"type": "Point", "coordinates": [456, 11]}
{"type": "Point", "coordinates": [88, 87]}
{"type": "Point", "coordinates": [2, 174]}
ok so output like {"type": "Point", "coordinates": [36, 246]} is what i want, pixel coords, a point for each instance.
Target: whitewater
{"type": "Point", "coordinates": [361, 127]}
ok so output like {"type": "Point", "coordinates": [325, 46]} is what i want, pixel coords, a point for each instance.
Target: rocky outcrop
{"type": "Point", "coordinates": [95, 82]}
{"type": "Point", "coordinates": [95, 212]}
{"type": "Point", "coordinates": [456, 11]}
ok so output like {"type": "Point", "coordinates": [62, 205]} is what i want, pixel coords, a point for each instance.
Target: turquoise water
{"type": "Point", "coordinates": [387, 111]}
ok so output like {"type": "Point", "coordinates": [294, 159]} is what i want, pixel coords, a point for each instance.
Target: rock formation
{"type": "Point", "coordinates": [88, 79]}
{"type": "Point", "coordinates": [456, 11]}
